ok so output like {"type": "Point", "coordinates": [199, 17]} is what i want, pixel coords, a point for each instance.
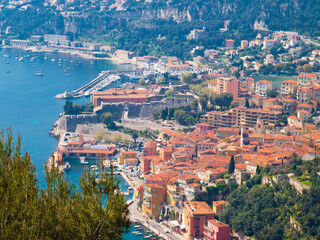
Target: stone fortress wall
{"type": "Point", "coordinates": [68, 123]}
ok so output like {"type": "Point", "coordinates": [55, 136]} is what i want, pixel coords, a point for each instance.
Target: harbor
{"type": "Point", "coordinates": [104, 79]}
{"type": "Point", "coordinates": [20, 88]}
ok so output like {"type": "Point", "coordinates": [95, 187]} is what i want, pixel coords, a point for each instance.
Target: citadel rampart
{"type": "Point", "coordinates": [68, 123]}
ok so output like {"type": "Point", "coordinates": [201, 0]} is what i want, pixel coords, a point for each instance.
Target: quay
{"type": "Point", "coordinates": [104, 79]}
{"type": "Point", "coordinates": [136, 216]}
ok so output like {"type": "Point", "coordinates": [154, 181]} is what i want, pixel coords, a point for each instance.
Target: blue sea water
{"type": "Point", "coordinates": [28, 105]}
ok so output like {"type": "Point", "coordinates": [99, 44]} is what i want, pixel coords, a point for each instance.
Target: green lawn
{"type": "Point", "coordinates": [275, 79]}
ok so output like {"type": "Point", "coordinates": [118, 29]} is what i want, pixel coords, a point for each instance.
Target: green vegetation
{"type": "Point", "coordinates": [231, 165]}
{"type": "Point", "coordinates": [276, 80]}
{"type": "Point", "coordinates": [264, 211]}
{"type": "Point", "coordinates": [74, 109]}
{"type": "Point", "coordinates": [185, 116]}
{"type": "Point", "coordinates": [165, 33]}
{"type": "Point", "coordinates": [97, 210]}
{"type": "Point", "coordinates": [106, 119]}
{"type": "Point", "coordinates": [214, 193]}
{"type": "Point", "coordinates": [188, 77]}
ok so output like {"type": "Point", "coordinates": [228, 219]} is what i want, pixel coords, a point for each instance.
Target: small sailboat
{"type": "Point", "coordinates": [39, 74]}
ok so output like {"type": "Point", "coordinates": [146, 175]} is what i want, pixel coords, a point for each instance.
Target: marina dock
{"type": "Point", "coordinates": [105, 79]}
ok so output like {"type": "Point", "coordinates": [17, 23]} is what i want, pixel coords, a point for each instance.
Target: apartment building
{"type": "Point", "coordinates": [196, 215]}
{"type": "Point", "coordinates": [242, 116]}
{"type": "Point", "coordinates": [230, 43]}
{"type": "Point", "coordinates": [154, 196]}
{"type": "Point", "coordinates": [54, 39]}
{"type": "Point", "coordinates": [125, 155]}
{"type": "Point", "coordinates": [228, 85]}
{"type": "Point", "coordinates": [150, 149]}
{"type": "Point", "coordinates": [19, 43]}
{"type": "Point", "coordinates": [305, 78]}
{"type": "Point", "coordinates": [216, 230]}
{"type": "Point", "coordinates": [263, 86]}
{"type": "Point", "coordinates": [225, 132]}
{"type": "Point", "coordinates": [304, 94]}
{"type": "Point", "coordinates": [289, 87]}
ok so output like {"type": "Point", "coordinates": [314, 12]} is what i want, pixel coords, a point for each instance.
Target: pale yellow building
{"type": "Point", "coordinates": [289, 87]}
{"type": "Point", "coordinates": [125, 155]}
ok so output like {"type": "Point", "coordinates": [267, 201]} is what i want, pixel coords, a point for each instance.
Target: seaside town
{"type": "Point", "coordinates": [186, 134]}
{"type": "Point", "coordinates": [160, 120]}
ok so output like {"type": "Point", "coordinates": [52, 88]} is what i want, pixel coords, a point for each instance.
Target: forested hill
{"type": "Point", "coordinates": [159, 26]}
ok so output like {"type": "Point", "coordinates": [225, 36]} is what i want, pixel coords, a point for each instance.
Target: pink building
{"type": "Point", "coordinates": [233, 87]}
{"type": "Point", "coordinates": [230, 43]}
{"type": "Point", "coordinates": [196, 215]}
{"type": "Point", "coordinates": [230, 85]}
{"type": "Point", "coordinates": [216, 230]}
{"type": "Point", "coordinates": [150, 149]}
{"type": "Point", "coordinates": [203, 127]}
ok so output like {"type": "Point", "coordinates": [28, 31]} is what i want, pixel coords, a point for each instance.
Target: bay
{"type": "Point", "coordinates": [28, 105]}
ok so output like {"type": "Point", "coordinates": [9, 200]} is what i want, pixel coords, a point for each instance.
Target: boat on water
{"type": "Point", "coordinates": [94, 168]}
{"type": "Point", "coordinates": [137, 226]}
{"type": "Point", "coordinates": [6, 55]}
{"type": "Point", "coordinates": [21, 59]}
{"type": "Point", "coordinates": [39, 74]}
{"type": "Point", "coordinates": [7, 62]}
{"type": "Point", "coordinates": [83, 161]}
{"type": "Point", "coordinates": [67, 166]}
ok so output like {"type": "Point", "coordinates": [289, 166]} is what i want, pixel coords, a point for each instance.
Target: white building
{"type": "Point", "coordinates": [263, 86]}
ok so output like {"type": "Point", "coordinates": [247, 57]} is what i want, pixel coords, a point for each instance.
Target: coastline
{"type": "Point", "coordinates": [114, 59]}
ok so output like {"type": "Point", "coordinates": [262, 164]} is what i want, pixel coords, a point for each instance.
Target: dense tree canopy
{"type": "Point", "coordinates": [96, 211]}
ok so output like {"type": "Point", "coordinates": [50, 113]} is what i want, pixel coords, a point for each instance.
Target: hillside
{"type": "Point", "coordinates": [160, 27]}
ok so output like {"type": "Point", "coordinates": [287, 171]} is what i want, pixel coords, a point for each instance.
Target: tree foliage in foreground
{"type": "Point", "coordinates": [96, 211]}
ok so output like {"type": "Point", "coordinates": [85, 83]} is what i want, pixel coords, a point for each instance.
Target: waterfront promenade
{"type": "Point", "coordinates": [136, 216]}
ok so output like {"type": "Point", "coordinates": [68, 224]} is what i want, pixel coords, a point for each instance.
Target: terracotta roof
{"type": "Point", "coordinates": [290, 81]}
{"type": "Point", "coordinates": [307, 75]}
{"type": "Point", "coordinates": [75, 143]}
{"type": "Point", "coordinates": [218, 203]}
{"type": "Point", "coordinates": [198, 208]}
{"type": "Point", "coordinates": [265, 81]}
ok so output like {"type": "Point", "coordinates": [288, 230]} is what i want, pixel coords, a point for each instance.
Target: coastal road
{"type": "Point", "coordinates": [152, 225]}
{"type": "Point", "coordinates": [135, 215]}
